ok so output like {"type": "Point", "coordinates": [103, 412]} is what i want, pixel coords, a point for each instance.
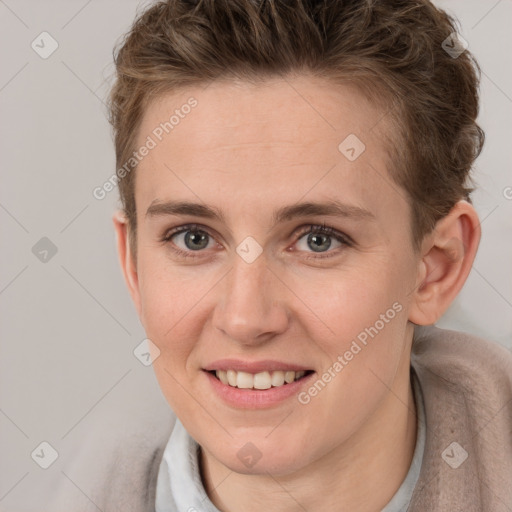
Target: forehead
{"type": "Point", "coordinates": [236, 144]}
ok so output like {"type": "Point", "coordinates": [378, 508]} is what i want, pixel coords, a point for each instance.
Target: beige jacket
{"type": "Point", "coordinates": [467, 389]}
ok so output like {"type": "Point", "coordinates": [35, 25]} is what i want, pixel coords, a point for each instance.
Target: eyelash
{"type": "Point", "coordinates": [320, 229]}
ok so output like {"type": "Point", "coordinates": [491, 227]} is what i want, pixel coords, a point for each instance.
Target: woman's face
{"type": "Point", "coordinates": [248, 288]}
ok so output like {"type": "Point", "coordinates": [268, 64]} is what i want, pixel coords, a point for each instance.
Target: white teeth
{"type": "Point", "coordinates": [231, 374]}
{"type": "Point", "coordinates": [223, 376]}
{"type": "Point", "coordinates": [261, 380]}
{"type": "Point", "coordinates": [289, 377]}
{"type": "Point", "coordinates": [277, 378]}
{"type": "Point", "coordinates": [244, 380]}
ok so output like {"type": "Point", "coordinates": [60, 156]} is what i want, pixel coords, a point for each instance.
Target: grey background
{"type": "Point", "coordinates": [68, 328]}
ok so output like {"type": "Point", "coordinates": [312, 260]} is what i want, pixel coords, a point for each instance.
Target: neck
{"type": "Point", "coordinates": [361, 474]}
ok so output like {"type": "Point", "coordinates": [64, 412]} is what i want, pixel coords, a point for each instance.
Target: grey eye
{"type": "Point", "coordinates": [194, 240]}
{"type": "Point", "coordinates": [316, 242]}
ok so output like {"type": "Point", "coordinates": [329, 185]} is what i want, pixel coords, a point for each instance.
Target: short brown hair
{"type": "Point", "coordinates": [391, 49]}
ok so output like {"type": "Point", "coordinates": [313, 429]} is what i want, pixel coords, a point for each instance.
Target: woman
{"type": "Point", "coordinates": [296, 212]}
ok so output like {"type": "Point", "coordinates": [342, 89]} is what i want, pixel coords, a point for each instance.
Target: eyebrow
{"type": "Point", "coordinates": [331, 207]}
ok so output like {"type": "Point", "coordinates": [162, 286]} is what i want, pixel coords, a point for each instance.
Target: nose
{"type": "Point", "coordinates": [249, 310]}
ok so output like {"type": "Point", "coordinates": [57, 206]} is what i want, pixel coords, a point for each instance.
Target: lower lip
{"type": "Point", "coordinates": [256, 398]}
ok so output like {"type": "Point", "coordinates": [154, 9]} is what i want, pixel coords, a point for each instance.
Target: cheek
{"type": "Point", "coordinates": [173, 318]}
{"type": "Point", "coordinates": [170, 304]}
{"type": "Point", "coordinates": [366, 316]}
{"type": "Point", "coordinates": [349, 300]}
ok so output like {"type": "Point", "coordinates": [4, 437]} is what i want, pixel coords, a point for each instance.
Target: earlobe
{"type": "Point", "coordinates": [126, 259]}
{"type": "Point", "coordinates": [447, 257]}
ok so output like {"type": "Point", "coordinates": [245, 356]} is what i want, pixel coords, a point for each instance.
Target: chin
{"type": "Point", "coordinates": [276, 466]}
{"type": "Point", "coordinates": [260, 455]}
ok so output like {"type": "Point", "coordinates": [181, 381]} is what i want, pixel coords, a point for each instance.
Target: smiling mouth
{"type": "Point", "coordinates": [261, 380]}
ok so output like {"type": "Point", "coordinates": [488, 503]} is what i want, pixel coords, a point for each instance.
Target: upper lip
{"type": "Point", "coordinates": [254, 366]}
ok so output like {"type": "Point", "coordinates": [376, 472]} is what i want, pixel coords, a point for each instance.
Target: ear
{"type": "Point", "coordinates": [126, 258]}
{"type": "Point", "coordinates": [447, 256]}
